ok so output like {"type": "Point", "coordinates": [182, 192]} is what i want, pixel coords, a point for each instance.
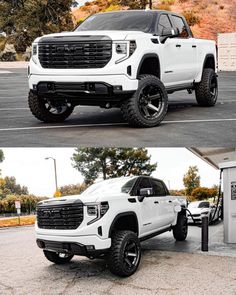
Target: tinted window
{"type": "Point", "coordinates": [179, 23]}
{"type": "Point", "coordinates": [158, 188]}
{"type": "Point", "coordinates": [164, 23]}
{"type": "Point", "coordinates": [128, 186]}
{"type": "Point", "coordinates": [124, 21]}
{"type": "Point", "coordinates": [144, 183]}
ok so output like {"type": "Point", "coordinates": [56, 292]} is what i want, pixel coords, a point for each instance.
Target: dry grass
{"type": "Point", "coordinates": [24, 220]}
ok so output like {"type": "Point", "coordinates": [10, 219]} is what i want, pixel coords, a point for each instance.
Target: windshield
{"type": "Point", "coordinates": [199, 205]}
{"type": "Point", "coordinates": [123, 21]}
{"type": "Point", "coordinates": [112, 186]}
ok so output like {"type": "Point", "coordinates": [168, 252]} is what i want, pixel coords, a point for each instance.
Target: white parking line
{"type": "Point", "coordinates": [14, 109]}
{"type": "Point", "coordinates": [109, 124]}
{"type": "Point", "coordinates": [5, 72]}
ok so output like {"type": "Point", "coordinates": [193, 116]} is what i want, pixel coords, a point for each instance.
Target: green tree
{"type": "Point", "coordinates": [25, 20]}
{"type": "Point", "coordinates": [112, 162]}
{"type": "Point", "coordinates": [72, 189]}
{"type": "Point", "coordinates": [191, 180]}
{"type": "Point", "coordinates": [8, 186]}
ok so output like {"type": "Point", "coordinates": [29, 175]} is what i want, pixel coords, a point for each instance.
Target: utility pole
{"type": "Point", "coordinates": [150, 4]}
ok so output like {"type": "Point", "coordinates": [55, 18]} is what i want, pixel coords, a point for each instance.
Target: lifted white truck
{"type": "Point", "coordinates": [126, 59]}
{"type": "Point", "coordinates": [109, 220]}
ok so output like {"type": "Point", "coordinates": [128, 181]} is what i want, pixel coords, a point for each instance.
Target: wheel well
{"type": "Point", "coordinates": [124, 222]}
{"type": "Point", "coordinates": [209, 62]}
{"type": "Point", "coordinates": [149, 65]}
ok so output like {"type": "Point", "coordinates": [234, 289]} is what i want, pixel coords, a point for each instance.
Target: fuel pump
{"type": "Point", "coordinates": [229, 185]}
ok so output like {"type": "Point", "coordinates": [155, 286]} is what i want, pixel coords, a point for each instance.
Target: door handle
{"type": "Point", "coordinates": [156, 202]}
{"type": "Point", "coordinates": [194, 46]}
{"type": "Point", "coordinates": [178, 45]}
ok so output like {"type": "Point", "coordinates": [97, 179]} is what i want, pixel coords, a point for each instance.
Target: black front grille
{"type": "Point", "coordinates": [75, 54]}
{"type": "Point", "coordinates": [60, 216]}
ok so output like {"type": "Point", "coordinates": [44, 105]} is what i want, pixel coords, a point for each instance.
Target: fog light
{"type": "Point", "coordinates": [117, 87]}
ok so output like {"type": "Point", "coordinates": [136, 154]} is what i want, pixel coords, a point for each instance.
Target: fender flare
{"type": "Point", "coordinates": [205, 60]}
{"type": "Point", "coordinates": [148, 55]}
{"type": "Point", "coordinates": [128, 213]}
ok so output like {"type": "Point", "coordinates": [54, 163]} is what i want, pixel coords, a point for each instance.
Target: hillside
{"type": "Point", "coordinates": [209, 17]}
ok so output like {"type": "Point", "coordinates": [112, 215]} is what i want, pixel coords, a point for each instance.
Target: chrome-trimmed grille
{"type": "Point", "coordinates": [75, 54]}
{"type": "Point", "coordinates": [62, 216]}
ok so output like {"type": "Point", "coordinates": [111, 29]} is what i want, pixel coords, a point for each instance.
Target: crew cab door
{"type": "Point", "coordinates": [165, 214]}
{"type": "Point", "coordinates": [179, 54]}
{"type": "Point", "coordinates": [148, 210]}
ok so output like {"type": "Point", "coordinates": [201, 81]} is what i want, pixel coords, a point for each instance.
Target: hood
{"type": "Point", "coordinates": [114, 35]}
{"type": "Point", "coordinates": [92, 198]}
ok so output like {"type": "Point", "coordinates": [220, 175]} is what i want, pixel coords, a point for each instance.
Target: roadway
{"type": "Point", "coordinates": [186, 124]}
{"type": "Point", "coordinates": [167, 267]}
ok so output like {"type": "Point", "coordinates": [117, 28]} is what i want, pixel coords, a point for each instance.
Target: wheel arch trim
{"type": "Point", "coordinates": [120, 215]}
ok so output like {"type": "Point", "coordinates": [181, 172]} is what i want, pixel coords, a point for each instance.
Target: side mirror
{"type": "Point", "coordinates": [145, 192]}
{"type": "Point", "coordinates": [169, 33]}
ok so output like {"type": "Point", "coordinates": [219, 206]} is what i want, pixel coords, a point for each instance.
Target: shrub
{"type": "Point", "coordinates": [203, 193]}
{"type": "Point", "coordinates": [222, 7]}
{"type": "Point", "coordinates": [9, 53]}
{"type": "Point", "coordinates": [191, 17]}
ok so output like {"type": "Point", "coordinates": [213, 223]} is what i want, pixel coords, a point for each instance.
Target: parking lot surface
{"type": "Point", "coordinates": [24, 270]}
{"type": "Point", "coordinates": [186, 124]}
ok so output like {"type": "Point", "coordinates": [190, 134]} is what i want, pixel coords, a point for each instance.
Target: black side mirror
{"type": "Point", "coordinates": [169, 33]}
{"type": "Point", "coordinates": [145, 192]}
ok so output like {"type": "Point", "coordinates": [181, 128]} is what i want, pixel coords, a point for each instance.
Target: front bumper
{"type": "Point", "coordinates": [70, 248]}
{"type": "Point", "coordinates": [127, 83]}
{"type": "Point", "coordinates": [89, 240]}
{"type": "Point", "coordinates": [83, 91]}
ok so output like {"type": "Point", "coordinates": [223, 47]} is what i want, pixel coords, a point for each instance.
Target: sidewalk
{"type": "Point", "coordinates": [14, 65]}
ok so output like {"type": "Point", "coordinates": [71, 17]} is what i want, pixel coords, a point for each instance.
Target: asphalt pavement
{"type": "Point", "coordinates": [180, 270]}
{"type": "Point", "coordinates": [186, 124]}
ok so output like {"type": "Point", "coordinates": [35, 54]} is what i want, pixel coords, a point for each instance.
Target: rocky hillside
{"type": "Point", "coordinates": [207, 17]}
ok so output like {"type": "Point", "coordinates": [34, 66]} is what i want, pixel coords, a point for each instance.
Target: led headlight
{"type": "Point", "coordinates": [98, 210]}
{"type": "Point", "coordinates": [125, 49]}
{"type": "Point", "coordinates": [121, 48]}
{"type": "Point", "coordinates": [132, 47]}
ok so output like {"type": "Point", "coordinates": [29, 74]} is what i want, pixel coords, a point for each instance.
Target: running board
{"type": "Point", "coordinates": [156, 233]}
{"type": "Point", "coordinates": [171, 89]}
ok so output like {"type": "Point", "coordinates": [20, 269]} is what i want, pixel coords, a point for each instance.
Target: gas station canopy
{"type": "Point", "coordinates": [215, 156]}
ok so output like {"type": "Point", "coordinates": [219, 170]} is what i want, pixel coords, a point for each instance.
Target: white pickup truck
{"type": "Point", "coordinates": [125, 59]}
{"type": "Point", "coordinates": [109, 220]}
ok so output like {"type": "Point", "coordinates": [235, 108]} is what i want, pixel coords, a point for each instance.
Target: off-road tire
{"type": "Point", "coordinates": [116, 256]}
{"type": "Point", "coordinates": [203, 93]}
{"type": "Point", "coordinates": [130, 107]}
{"type": "Point", "coordinates": [55, 257]}
{"type": "Point", "coordinates": [38, 109]}
{"type": "Point", "coordinates": [180, 230]}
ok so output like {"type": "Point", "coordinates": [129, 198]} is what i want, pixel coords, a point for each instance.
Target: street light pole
{"type": "Point", "coordinates": [55, 170]}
